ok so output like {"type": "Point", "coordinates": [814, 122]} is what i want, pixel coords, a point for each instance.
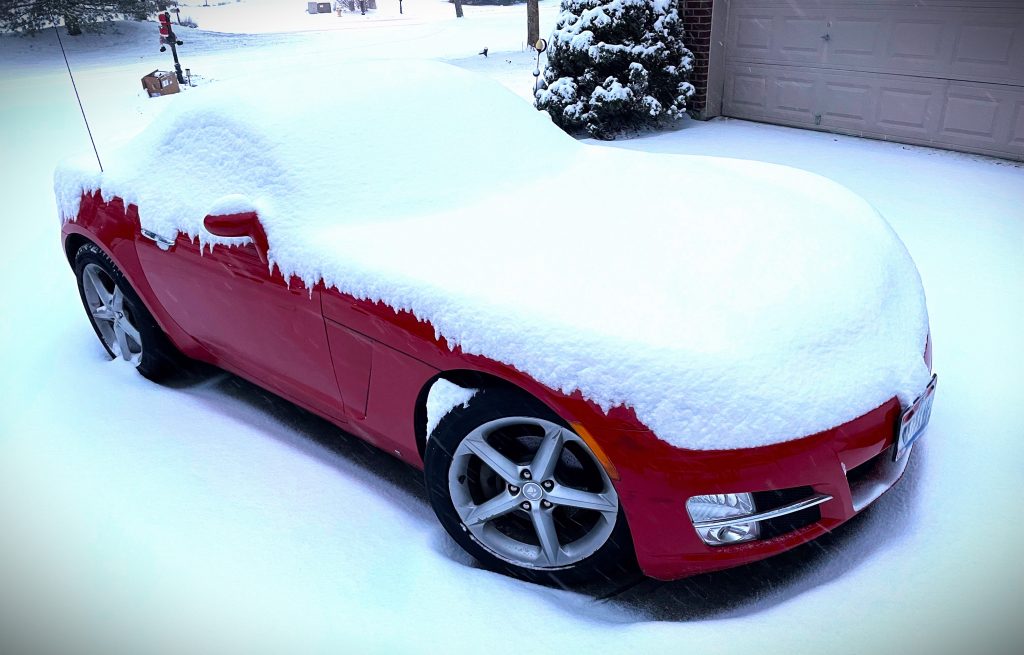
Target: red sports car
{"type": "Point", "coordinates": [721, 367]}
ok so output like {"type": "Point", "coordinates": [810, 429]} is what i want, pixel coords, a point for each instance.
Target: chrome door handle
{"type": "Point", "coordinates": [162, 241]}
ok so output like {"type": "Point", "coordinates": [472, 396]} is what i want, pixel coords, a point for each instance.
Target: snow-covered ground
{"type": "Point", "coordinates": [210, 517]}
{"type": "Point", "coordinates": [266, 16]}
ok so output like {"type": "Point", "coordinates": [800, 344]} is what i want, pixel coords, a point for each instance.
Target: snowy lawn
{"type": "Point", "coordinates": [210, 517]}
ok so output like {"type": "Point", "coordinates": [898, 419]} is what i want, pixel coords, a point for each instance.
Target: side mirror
{"type": "Point", "coordinates": [245, 224]}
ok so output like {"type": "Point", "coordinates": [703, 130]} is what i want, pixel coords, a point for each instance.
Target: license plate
{"type": "Point", "coordinates": [915, 420]}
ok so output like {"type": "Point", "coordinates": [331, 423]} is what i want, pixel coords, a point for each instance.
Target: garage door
{"type": "Point", "coordinates": [947, 73]}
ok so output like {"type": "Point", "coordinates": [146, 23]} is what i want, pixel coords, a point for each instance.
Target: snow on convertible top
{"type": "Point", "coordinates": [729, 303]}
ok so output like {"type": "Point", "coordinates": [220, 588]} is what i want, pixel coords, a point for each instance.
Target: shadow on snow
{"type": "Point", "coordinates": [726, 594]}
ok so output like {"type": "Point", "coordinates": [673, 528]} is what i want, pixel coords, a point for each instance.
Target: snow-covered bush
{"type": "Point", "coordinates": [615, 65]}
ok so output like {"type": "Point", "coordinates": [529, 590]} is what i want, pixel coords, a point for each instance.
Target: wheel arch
{"type": "Point", "coordinates": [592, 422]}
{"type": "Point", "coordinates": [73, 243]}
{"type": "Point", "coordinates": [467, 378]}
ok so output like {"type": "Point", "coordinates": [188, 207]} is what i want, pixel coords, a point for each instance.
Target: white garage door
{"type": "Point", "coordinates": [946, 73]}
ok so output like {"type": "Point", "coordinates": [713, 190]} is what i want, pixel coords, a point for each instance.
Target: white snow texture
{"type": "Point", "coordinates": [730, 303]}
{"type": "Point", "coordinates": [443, 397]}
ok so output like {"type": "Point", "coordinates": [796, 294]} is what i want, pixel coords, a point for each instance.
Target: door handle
{"type": "Point", "coordinates": [163, 242]}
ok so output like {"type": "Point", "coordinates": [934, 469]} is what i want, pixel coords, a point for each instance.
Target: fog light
{"type": "Point", "coordinates": [718, 518]}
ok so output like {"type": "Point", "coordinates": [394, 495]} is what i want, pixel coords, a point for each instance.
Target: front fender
{"type": "Point", "coordinates": [115, 229]}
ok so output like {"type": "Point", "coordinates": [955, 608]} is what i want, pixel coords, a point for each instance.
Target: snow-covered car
{"type": "Point", "coordinates": [599, 358]}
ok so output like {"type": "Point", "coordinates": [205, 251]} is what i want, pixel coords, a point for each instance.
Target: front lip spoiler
{"type": "Point", "coordinates": [792, 508]}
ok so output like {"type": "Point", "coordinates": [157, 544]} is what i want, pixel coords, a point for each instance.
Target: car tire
{"type": "Point", "coordinates": [119, 317]}
{"type": "Point", "coordinates": [508, 430]}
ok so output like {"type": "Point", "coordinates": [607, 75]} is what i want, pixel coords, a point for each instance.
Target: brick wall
{"type": "Point", "coordinates": [696, 15]}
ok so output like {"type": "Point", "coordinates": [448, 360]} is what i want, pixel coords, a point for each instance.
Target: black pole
{"type": "Point", "coordinates": [56, 31]}
{"type": "Point", "coordinates": [400, 6]}
{"type": "Point", "coordinates": [172, 40]}
{"type": "Point", "coordinates": [177, 64]}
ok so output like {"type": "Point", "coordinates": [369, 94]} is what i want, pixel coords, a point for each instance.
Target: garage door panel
{"type": "Point", "coordinates": [847, 104]}
{"type": "Point", "coordinates": [856, 39]}
{"type": "Point", "coordinates": [906, 108]}
{"type": "Point", "coordinates": [975, 44]}
{"type": "Point", "coordinates": [948, 73]}
{"type": "Point", "coordinates": [1017, 129]}
{"type": "Point", "coordinates": [889, 104]}
{"type": "Point", "coordinates": [974, 117]}
{"type": "Point", "coordinates": [917, 45]}
{"type": "Point", "coordinates": [771, 92]}
{"type": "Point", "coordinates": [751, 35]}
{"type": "Point", "coordinates": [985, 44]}
{"type": "Point", "coordinates": [793, 96]}
{"type": "Point", "coordinates": [748, 92]}
{"type": "Point", "coordinates": [977, 114]}
{"type": "Point", "coordinates": [990, 51]}
{"type": "Point", "coordinates": [970, 114]}
{"type": "Point", "coordinates": [800, 40]}
{"type": "Point", "coordinates": [777, 34]}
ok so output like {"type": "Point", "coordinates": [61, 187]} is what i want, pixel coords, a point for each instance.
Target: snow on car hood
{"type": "Point", "coordinates": [729, 303]}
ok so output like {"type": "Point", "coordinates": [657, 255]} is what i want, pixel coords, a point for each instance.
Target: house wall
{"type": "Point", "coordinates": [697, 23]}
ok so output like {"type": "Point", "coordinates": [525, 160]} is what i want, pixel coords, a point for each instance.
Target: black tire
{"type": "Point", "coordinates": [159, 359]}
{"type": "Point", "coordinates": [612, 561]}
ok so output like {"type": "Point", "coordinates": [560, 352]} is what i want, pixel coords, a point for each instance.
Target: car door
{"type": "Point", "coordinates": [253, 320]}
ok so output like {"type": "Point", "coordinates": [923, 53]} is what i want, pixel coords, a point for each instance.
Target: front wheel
{"type": "Point", "coordinates": [123, 324]}
{"type": "Point", "coordinates": [524, 494]}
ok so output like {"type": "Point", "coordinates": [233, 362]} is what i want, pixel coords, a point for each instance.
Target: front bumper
{"type": "Point", "coordinates": [845, 469]}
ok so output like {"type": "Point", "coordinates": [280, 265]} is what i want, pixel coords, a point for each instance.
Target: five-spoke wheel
{"type": "Point", "coordinates": [525, 510]}
{"type": "Point", "coordinates": [523, 492]}
{"type": "Point", "coordinates": [125, 327]}
{"type": "Point", "coordinates": [114, 320]}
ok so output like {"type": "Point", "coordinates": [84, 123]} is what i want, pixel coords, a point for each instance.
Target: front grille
{"type": "Point", "coordinates": [768, 500]}
{"type": "Point", "coordinates": [874, 477]}
{"type": "Point", "coordinates": [858, 475]}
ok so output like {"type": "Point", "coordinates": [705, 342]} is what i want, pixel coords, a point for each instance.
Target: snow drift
{"type": "Point", "coordinates": [729, 303]}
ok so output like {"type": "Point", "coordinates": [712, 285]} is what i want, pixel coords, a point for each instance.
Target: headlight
{"type": "Point", "coordinates": [714, 517]}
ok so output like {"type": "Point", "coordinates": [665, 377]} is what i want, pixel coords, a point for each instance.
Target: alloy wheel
{"type": "Point", "coordinates": [531, 492]}
{"type": "Point", "coordinates": [112, 315]}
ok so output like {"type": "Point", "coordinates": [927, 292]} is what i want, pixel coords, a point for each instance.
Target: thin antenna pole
{"type": "Point", "coordinates": [56, 31]}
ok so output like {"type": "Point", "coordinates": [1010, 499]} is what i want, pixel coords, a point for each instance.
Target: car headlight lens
{"type": "Point", "coordinates": [706, 510]}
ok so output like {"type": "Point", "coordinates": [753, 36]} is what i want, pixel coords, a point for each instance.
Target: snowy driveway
{"type": "Point", "coordinates": [211, 517]}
